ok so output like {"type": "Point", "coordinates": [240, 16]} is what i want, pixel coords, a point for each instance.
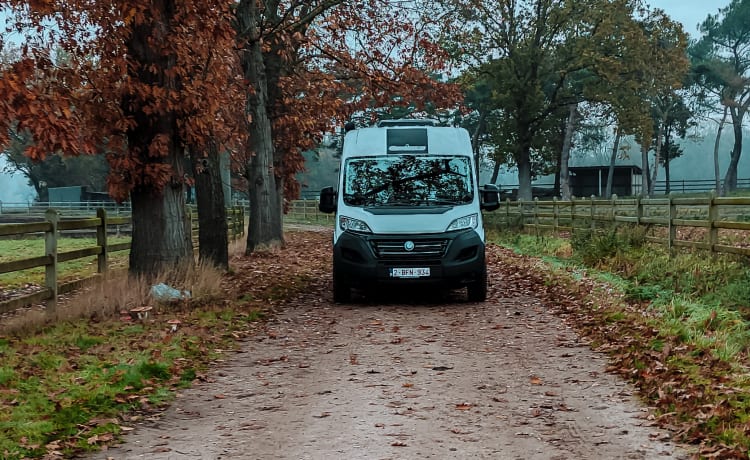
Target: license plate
{"type": "Point", "coordinates": [410, 272]}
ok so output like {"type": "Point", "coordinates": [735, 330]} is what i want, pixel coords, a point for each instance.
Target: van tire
{"type": "Point", "coordinates": [477, 291]}
{"type": "Point", "coordinates": [342, 292]}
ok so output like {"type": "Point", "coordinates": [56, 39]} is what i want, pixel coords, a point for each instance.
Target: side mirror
{"type": "Point", "coordinates": [490, 197]}
{"type": "Point", "coordinates": [327, 202]}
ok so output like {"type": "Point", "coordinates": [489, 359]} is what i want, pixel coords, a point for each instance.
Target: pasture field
{"type": "Point", "coordinates": [15, 249]}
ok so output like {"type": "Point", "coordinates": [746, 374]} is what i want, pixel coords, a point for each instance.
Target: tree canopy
{"type": "Point", "coordinates": [721, 66]}
{"type": "Point", "coordinates": [537, 57]}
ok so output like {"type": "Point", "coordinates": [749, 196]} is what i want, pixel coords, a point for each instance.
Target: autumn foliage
{"type": "Point", "coordinates": [148, 82]}
{"type": "Point", "coordinates": [328, 61]}
{"type": "Point", "coordinates": [86, 81]}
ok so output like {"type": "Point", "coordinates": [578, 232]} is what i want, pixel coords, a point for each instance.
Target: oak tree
{"type": "Point", "coordinates": [148, 78]}
{"type": "Point", "coordinates": [308, 67]}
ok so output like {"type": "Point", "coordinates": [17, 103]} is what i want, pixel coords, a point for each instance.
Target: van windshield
{"type": "Point", "coordinates": [400, 180]}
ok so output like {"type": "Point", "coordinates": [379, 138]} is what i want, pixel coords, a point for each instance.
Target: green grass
{"type": "Point", "coordinates": [691, 306]}
{"type": "Point", "coordinates": [17, 249]}
{"type": "Point", "coordinates": [54, 383]}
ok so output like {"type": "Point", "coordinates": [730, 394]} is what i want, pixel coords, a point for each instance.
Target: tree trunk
{"type": "Point", "coordinates": [612, 163]}
{"type": "Point", "coordinates": [565, 153]}
{"type": "Point", "coordinates": [524, 179]}
{"type": "Point", "coordinates": [730, 179]}
{"type": "Point", "coordinates": [213, 243]}
{"type": "Point", "coordinates": [717, 173]}
{"type": "Point", "coordinates": [645, 189]}
{"type": "Point", "coordinates": [475, 136]}
{"type": "Point", "coordinates": [161, 237]}
{"type": "Point", "coordinates": [523, 162]}
{"type": "Point", "coordinates": [265, 226]}
{"type": "Point", "coordinates": [657, 157]}
{"type": "Point", "coordinates": [495, 172]}
{"type": "Point", "coordinates": [666, 166]}
{"type": "Point", "coordinates": [264, 229]}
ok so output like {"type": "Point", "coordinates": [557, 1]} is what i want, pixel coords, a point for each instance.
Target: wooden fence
{"type": "Point", "coordinates": [101, 225]}
{"type": "Point", "coordinates": [712, 223]}
{"type": "Point", "coordinates": [306, 211]}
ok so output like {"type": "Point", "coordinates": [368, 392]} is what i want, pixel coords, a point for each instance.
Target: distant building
{"type": "Point", "coordinates": [588, 176]}
{"type": "Point", "coordinates": [592, 180]}
{"type": "Point", "coordinates": [76, 194]}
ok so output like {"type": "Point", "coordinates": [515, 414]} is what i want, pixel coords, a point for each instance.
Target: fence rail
{"type": "Point", "coordinates": [712, 223]}
{"type": "Point", "coordinates": [54, 225]}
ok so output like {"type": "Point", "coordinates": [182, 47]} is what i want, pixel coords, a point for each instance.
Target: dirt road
{"type": "Point", "coordinates": [400, 378]}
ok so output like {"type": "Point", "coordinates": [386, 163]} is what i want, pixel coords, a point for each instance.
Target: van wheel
{"type": "Point", "coordinates": [341, 291]}
{"type": "Point", "coordinates": [477, 291]}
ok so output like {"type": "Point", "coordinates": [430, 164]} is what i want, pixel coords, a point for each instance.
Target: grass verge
{"type": "Point", "coordinates": [677, 327]}
{"type": "Point", "coordinates": [73, 383]}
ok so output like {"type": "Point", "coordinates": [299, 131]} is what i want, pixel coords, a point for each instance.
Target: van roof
{"type": "Point", "coordinates": [407, 139]}
{"type": "Point", "coordinates": [407, 122]}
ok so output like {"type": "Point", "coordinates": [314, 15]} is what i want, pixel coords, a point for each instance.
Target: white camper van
{"type": "Point", "coordinates": [408, 209]}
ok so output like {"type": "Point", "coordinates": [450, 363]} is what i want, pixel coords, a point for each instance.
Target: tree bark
{"type": "Point", "coordinates": [161, 238]}
{"type": "Point", "coordinates": [523, 161]}
{"type": "Point", "coordinates": [666, 164]}
{"type": "Point", "coordinates": [645, 189]}
{"type": "Point", "coordinates": [565, 153]}
{"type": "Point", "coordinates": [524, 179]}
{"type": "Point", "coordinates": [213, 242]}
{"type": "Point", "coordinates": [730, 178]}
{"type": "Point", "coordinates": [612, 163]}
{"type": "Point", "coordinates": [265, 228]}
{"type": "Point", "coordinates": [495, 172]}
{"type": "Point", "coordinates": [657, 156]}
{"type": "Point", "coordinates": [717, 173]}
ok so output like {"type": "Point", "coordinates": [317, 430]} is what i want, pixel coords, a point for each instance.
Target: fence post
{"type": "Point", "coordinates": [614, 208]}
{"type": "Point", "coordinates": [638, 210]}
{"type": "Point", "coordinates": [713, 217]}
{"type": "Point", "coordinates": [536, 216]}
{"type": "Point", "coordinates": [50, 249]}
{"type": "Point", "coordinates": [507, 213]}
{"type": "Point", "coordinates": [101, 241]}
{"type": "Point", "coordinates": [555, 215]}
{"type": "Point", "coordinates": [593, 215]}
{"type": "Point", "coordinates": [572, 214]}
{"type": "Point", "coordinates": [672, 228]}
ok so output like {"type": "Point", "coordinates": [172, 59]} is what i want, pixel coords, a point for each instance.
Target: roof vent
{"type": "Point", "coordinates": [407, 122]}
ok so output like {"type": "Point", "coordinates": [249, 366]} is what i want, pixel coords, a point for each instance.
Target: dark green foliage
{"type": "Point", "coordinates": [593, 247]}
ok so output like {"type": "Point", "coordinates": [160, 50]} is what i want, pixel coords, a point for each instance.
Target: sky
{"type": "Point", "coordinates": [689, 12]}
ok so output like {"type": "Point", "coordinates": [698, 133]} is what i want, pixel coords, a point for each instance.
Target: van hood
{"type": "Point", "coordinates": [411, 219]}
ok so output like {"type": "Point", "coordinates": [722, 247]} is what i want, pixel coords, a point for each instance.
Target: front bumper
{"type": "Point", "coordinates": [455, 259]}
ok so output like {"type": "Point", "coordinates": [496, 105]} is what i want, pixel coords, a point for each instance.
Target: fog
{"type": "Point", "coordinates": [14, 188]}
{"type": "Point", "coordinates": [696, 162]}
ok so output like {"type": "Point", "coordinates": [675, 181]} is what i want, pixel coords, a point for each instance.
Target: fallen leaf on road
{"type": "Point", "coordinates": [441, 368]}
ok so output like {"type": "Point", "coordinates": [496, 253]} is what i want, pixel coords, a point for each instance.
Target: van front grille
{"type": "Point", "coordinates": [396, 249]}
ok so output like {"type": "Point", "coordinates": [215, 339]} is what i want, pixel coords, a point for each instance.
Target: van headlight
{"type": "Point", "coordinates": [463, 223]}
{"type": "Point", "coordinates": [353, 225]}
